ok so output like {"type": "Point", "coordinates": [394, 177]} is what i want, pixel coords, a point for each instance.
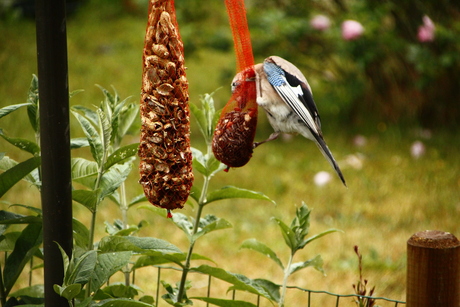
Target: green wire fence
{"type": "Point", "coordinates": [311, 294]}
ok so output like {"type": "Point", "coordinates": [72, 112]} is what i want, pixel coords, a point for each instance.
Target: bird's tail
{"type": "Point", "coordinates": [328, 155]}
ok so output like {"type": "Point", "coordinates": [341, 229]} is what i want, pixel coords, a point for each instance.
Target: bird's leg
{"type": "Point", "coordinates": [272, 137]}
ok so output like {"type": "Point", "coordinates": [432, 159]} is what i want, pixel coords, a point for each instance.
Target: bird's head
{"type": "Point", "coordinates": [246, 75]}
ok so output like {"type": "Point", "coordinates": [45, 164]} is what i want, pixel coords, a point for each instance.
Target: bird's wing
{"type": "Point", "coordinates": [295, 94]}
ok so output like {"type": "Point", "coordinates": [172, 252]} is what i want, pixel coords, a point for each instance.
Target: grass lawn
{"type": "Point", "coordinates": [390, 194]}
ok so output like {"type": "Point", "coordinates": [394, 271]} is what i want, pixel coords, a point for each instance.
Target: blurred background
{"type": "Point", "coordinates": [386, 79]}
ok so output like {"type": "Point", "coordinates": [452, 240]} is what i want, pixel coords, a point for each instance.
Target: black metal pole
{"type": "Point", "coordinates": [54, 141]}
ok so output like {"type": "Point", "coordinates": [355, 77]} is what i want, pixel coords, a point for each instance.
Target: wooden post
{"type": "Point", "coordinates": [433, 270]}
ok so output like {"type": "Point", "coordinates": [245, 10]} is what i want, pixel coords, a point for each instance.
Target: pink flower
{"type": "Point", "coordinates": [351, 30]}
{"type": "Point", "coordinates": [359, 140]}
{"type": "Point", "coordinates": [417, 149]}
{"type": "Point", "coordinates": [426, 31]}
{"type": "Point", "coordinates": [320, 22]}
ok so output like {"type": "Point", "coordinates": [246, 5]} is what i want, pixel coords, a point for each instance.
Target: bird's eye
{"type": "Point", "coordinates": [234, 85]}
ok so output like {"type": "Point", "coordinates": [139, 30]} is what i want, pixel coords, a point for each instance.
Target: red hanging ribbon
{"type": "Point", "coordinates": [242, 40]}
{"type": "Point", "coordinates": [234, 135]}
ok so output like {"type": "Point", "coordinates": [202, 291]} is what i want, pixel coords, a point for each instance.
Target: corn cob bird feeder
{"type": "Point", "coordinates": [165, 155]}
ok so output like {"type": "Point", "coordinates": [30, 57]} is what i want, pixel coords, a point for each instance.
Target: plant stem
{"type": "Point", "coordinates": [123, 206]}
{"type": "Point", "coordinates": [30, 270]}
{"type": "Point", "coordinates": [2, 288]}
{"type": "Point", "coordinates": [124, 219]}
{"type": "Point", "coordinates": [90, 246]}
{"type": "Point", "coordinates": [286, 276]}
{"type": "Point", "coordinates": [186, 268]}
{"type": "Point", "coordinates": [92, 229]}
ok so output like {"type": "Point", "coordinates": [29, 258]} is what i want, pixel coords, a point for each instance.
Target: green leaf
{"type": "Point", "coordinates": [224, 302]}
{"type": "Point", "coordinates": [24, 249]}
{"type": "Point", "coordinates": [9, 178]}
{"type": "Point", "coordinates": [93, 137]}
{"type": "Point", "coordinates": [82, 168]}
{"type": "Point", "coordinates": [35, 291]}
{"type": "Point", "coordinates": [23, 144]}
{"type": "Point", "coordinates": [147, 299]}
{"type": "Point", "coordinates": [159, 211]}
{"type": "Point", "coordinates": [113, 178]}
{"type": "Point", "coordinates": [316, 263]}
{"type": "Point", "coordinates": [83, 267]}
{"type": "Point", "coordinates": [239, 282]}
{"type": "Point", "coordinates": [288, 235]}
{"type": "Point", "coordinates": [206, 116]}
{"type": "Point", "coordinates": [7, 218]}
{"type": "Point", "coordinates": [84, 303]}
{"type": "Point", "coordinates": [183, 223]}
{"type": "Point", "coordinates": [76, 143]}
{"type": "Point", "coordinates": [107, 265]}
{"type": "Point", "coordinates": [195, 193]}
{"type": "Point", "coordinates": [80, 234]}
{"type": "Point", "coordinates": [38, 211]}
{"type": "Point", "coordinates": [119, 290]}
{"type": "Point", "coordinates": [234, 192]}
{"type": "Point", "coordinates": [301, 223]}
{"type": "Point", "coordinates": [11, 108]}
{"type": "Point", "coordinates": [272, 289]}
{"type": "Point", "coordinates": [121, 302]}
{"type": "Point", "coordinates": [214, 166]}
{"type": "Point", "coordinates": [32, 108]}
{"type": "Point", "coordinates": [8, 240]}
{"type": "Point", "coordinates": [6, 215]}
{"type": "Point", "coordinates": [138, 199]}
{"type": "Point", "coordinates": [200, 119]}
{"type": "Point", "coordinates": [127, 117]}
{"type": "Point", "coordinates": [263, 249]}
{"type": "Point", "coordinates": [118, 229]}
{"type": "Point", "coordinates": [313, 238]}
{"type": "Point", "coordinates": [208, 224]}
{"type": "Point", "coordinates": [89, 199]}
{"type": "Point", "coordinates": [140, 245]}
{"type": "Point", "coordinates": [75, 92]}
{"type": "Point", "coordinates": [106, 129]}
{"type": "Point", "coordinates": [207, 165]}
{"type": "Point", "coordinates": [68, 292]}
{"type": "Point", "coordinates": [88, 113]}
{"type": "Point", "coordinates": [171, 294]}
{"type": "Point", "coordinates": [121, 155]}
{"type": "Point", "coordinates": [109, 98]}
{"type": "Point", "coordinates": [6, 163]}
{"type": "Point", "coordinates": [199, 163]}
{"type": "Point", "coordinates": [66, 264]}
{"type": "Point", "coordinates": [160, 258]}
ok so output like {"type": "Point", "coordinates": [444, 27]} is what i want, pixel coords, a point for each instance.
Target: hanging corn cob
{"type": "Point", "coordinates": [165, 156]}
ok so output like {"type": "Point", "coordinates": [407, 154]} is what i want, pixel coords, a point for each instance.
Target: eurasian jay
{"type": "Point", "coordinates": [285, 95]}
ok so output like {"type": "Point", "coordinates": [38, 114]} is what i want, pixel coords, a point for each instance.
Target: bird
{"type": "Point", "coordinates": [287, 99]}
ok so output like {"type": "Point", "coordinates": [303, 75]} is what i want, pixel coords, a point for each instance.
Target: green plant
{"type": "Point", "coordinates": [294, 237]}
{"type": "Point", "coordinates": [92, 264]}
{"type": "Point", "coordinates": [20, 247]}
{"type": "Point", "coordinates": [104, 130]}
{"type": "Point", "coordinates": [194, 228]}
